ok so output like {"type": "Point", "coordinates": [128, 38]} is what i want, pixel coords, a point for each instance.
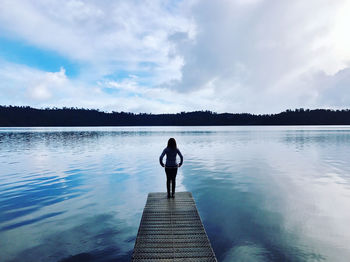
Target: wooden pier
{"type": "Point", "coordinates": [171, 230]}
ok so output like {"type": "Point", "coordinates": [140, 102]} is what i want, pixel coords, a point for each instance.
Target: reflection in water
{"type": "Point", "coordinates": [264, 193]}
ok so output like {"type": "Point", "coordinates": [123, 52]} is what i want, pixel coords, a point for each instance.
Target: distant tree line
{"type": "Point", "coordinates": [28, 116]}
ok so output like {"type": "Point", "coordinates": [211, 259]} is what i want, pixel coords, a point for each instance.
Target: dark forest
{"type": "Point", "coordinates": [27, 116]}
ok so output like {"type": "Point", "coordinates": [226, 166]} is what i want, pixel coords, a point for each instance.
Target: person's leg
{"type": "Point", "coordinates": [168, 178]}
{"type": "Point", "coordinates": [173, 181]}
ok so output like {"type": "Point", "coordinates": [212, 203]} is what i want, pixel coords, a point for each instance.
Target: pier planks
{"type": "Point", "coordinates": [171, 230]}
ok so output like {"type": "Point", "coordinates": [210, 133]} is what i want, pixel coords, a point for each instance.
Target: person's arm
{"type": "Point", "coordinates": [161, 158]}
{"type": "Point", "coordinates": [181, 157]}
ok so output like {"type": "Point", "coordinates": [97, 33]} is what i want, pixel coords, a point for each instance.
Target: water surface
{"type": "Point", "coordinates": [263, 193]}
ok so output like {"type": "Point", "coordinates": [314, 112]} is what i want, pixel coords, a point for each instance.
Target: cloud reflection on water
{"type": "Point", "coordinates": [268, 193]}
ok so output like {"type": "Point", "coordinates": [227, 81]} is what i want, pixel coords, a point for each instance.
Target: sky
{"type": "Point", "coordinates": [255, 56]}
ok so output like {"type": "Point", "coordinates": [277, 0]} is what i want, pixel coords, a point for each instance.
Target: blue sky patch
{"type": "Point", "coordinates": [19, 52]}
{"type": "Point", "coordinates": [139, 76]}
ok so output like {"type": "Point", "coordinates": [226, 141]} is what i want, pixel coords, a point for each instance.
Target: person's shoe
{"type": "Point", "coordinates": [168, 196]}
{"type": "Point", "coordinates": [173, 195]}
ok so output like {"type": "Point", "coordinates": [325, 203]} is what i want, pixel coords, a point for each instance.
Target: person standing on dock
{"type": "Point", "coordinates": [171, 166]}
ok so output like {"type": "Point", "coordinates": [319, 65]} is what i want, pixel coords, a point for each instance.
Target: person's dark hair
{"type": "Point", "coordinates": [172, 143]}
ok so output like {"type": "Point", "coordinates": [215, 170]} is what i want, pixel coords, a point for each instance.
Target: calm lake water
{"type": "Point", "coordinates": [263, 193]}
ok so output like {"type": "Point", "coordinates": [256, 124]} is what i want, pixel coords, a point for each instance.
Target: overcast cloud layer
{"type": "Point", "coordinates": [258, 56]}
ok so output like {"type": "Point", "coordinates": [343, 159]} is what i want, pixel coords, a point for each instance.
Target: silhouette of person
{"type": "Point", "coordinates": [171, 165]}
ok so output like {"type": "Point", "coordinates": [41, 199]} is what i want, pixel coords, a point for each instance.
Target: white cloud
{"type": "Point", "coordinates": [255, 56]}
{"type": "Point", "coordinates": [106, 36]}
{"type": "Point", "coordinates": [258, 56]}
{"type": "Point", "coordinates": [27, 86]}
{"type": "Point", "coordinates": [43, 87]}
{"type": "Point", "coordinates": [22, 85]}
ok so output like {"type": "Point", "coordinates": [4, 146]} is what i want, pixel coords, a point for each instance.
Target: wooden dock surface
{"type": "Point", "coordinates": [171, 230]}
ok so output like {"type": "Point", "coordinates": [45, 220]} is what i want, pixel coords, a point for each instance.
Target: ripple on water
{"type": "Point", "coordinates": [263, 193]}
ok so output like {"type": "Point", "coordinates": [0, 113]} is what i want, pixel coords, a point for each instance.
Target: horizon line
{"type": "Point", "coordinates": [182, 112]}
